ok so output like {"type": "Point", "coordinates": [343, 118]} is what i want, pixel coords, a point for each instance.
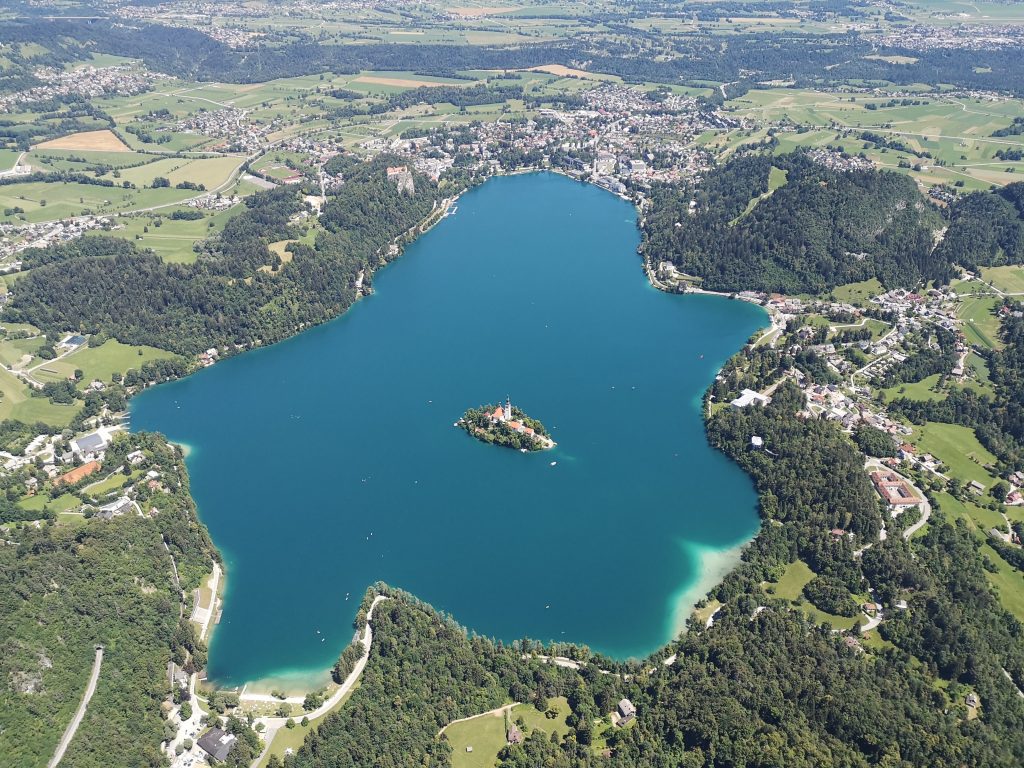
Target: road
{"type": "Point", "coordinates": [274, 724]}
{"type": "Point", "coordinates": [76, 721]}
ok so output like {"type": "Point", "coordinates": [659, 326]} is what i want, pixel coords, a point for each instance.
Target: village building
{"type": "Point", "coordinates": [895, 490]}
{"type": "Point", "coordinates": [401, 176]}
{"type": "Point", "coordinates": [217, 743]}
{"type": "Point", "coordinates": [750, 397]}
{"type": "Point", "coordinates": [115, 508]}
{"type": "Point", "coordinates": [626, 712]}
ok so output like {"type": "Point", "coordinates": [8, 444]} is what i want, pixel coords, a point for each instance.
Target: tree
{"type": "Point", "coordinates": [1000, 490]}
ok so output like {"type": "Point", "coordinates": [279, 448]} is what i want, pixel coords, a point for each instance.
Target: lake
{"type": "Point", "coordinates": [330, 461]}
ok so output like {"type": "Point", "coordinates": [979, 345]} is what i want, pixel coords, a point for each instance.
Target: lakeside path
{"type": "Point", "coordinates": [274, 724]}
{"type": "Point", "coordinates": [76, 721]}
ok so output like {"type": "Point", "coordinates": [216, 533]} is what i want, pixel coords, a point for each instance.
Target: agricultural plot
{"type": "Point", "coordinates": [171, 239]}
{"type": "Point", "coordinates": [958, 448]}
{"type": "Point", "coordinates": [981, 326]}
{"type": "Point", "coordinates": [1009, 279]}
{"type": "Point", "coordinates": [99, 363]}
{"type": "Point", "coordinates": [89, 141]}
{"type": "Point", "coordinates": [17, 403]}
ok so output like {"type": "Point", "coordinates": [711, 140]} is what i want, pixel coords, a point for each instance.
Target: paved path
{"type": "Point", "coordinates": [76, 721]}
{"type": "Point", "coordinates": [204, 615]}
{"type": "Point", "coordinates": [367, 640]}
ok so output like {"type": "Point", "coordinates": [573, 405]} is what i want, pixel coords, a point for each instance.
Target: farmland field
{"type": "Point", "coordinates": [95, 141]}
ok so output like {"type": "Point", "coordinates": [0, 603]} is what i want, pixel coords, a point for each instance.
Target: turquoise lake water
{"type": "Point", "coordinates": [330, 461]}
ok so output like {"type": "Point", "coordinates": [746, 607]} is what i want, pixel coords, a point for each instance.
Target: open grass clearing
{"type": "Point", "coordinates": [924, 390]}
{"type": "Point", "coordinates": [62, 504]}
{"type": "Point", "coordinates": [101, 362]}
{"type": "Point", "coordinates": [17, 403]}
{"type": "Point", "coordinates": [13, 351]}
{"type": "Point", "coordinates": [858, 294]}
{"type": "Point", "coordinates": [1009, 279]}
{"type": "Point", "coordinates": [790, 585]}
{"type": "Point", "coordinates": [981, 326]}
{"type": "Point", "coordinates": [1008, 583]}
{"type": "Point", "coordinates": [978, 518]}
{"type": "Point", "coordinates": [958, 448]}
{"type": "Point", "coordinates": [486, 734]}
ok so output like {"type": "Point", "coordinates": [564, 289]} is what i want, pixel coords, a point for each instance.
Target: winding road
{"type": "Point", "coordinates": [76, 721]}
{"type": "Point", "coordinates": [273, 724]}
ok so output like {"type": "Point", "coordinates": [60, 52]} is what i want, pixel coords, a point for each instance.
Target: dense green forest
{"type": "Point", "coordinates": [986, 229]}
{"type": "Point", "coordinates": [818, 230]}
{"type": "Point", "coordinates": [67, 588]}
{"type": "Point", "coordinates": [236, 293]}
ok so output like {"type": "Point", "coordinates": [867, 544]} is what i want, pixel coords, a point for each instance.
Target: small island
{"type": "Point", "coordinates": [506, 425]}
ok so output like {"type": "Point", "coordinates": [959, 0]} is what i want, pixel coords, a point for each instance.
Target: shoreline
{"type": "Point", "coordinates": [712, 564]}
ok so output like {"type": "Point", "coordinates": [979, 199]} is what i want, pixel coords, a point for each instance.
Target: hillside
{"type": "Point", "coordinates": [818, 230]}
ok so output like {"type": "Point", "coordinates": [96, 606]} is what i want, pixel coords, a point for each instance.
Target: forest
{"type": "Point", "coordinates": [818, 230]}
{"type": "Point", "coordinates": [67, 588]}
{"type": "Point", "coordinates": [235, 295]}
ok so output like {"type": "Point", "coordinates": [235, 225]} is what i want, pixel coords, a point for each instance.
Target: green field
{"type": "Point", "coordinates": [106, 485]}
{"type": "Point", "coordinates": [926, 389]}
{"type": "Point", "coordinates": [790, 586]}
{"type": "Point", "coordinates": [17, 403]}
{"type": "Point", "coordinates": [981, 326]}
{"type": "Point", "coordinates": [12, 351]}
{"type": "Point", "coordinates": [99, 362]}
{"type": "Point", "coordinates": [486, 734]}
{"type": "Point", "coordinates": [791, 583]}
{"type": "Point", "coordinates": [977, 518]}
{"type": "Point", "coordinates": [858, 293]}
{"type": "Point", "coordinates": [172, 239]}
{"type": "Point", "coordinates": [62, 503]}
{"type": "Point", "coordinates": [1008, 582]}
{"type": "Point", "coordinates": [1008, 279]}
{"type": "Point", "coordinates": [958, 448]}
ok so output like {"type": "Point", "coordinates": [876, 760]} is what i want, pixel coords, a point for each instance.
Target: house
{"type": "Point", "coordinates": [76, 474]}
{"type": "Point", "coordinates": [115, 508]}
{"type": "Point", "coordinates": [976, 487]}
{"type": "Point", "coordinates": [626, 712]}
{"type": "Point", "coordinates": [972, 700]}
{"type": "Point", "coordinates": [217, 743]}
{"type": "Point", "coordinates": [514, 735]}
{"type": "Point", "coordinates": [901, 605]}
{"type": "Point", "coordinates": [757, 442]}
{"type": "Point", "coordinates": [750, 397]}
